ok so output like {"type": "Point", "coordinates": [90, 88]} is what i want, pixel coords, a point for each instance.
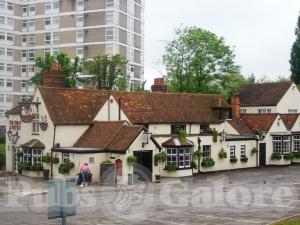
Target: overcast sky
{"type": "Point", "coordinates": [262, 31]}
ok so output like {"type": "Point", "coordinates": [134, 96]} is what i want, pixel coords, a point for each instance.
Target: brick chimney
{"type": "Point", "coordinates": [55, 77]}
{"type": "Point", "coordinates": [159, 85]}
{"type": "Point", "coordinates": [235, 105]}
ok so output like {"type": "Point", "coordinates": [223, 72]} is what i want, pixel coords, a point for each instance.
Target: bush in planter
{"type": "Point", "coordinates": [131, 160]}
{"type": "Point", "coordinates": [36, 168]}
{"type": "Point", "coordinates": [244, 159]}
{"type": "Point", "coordinates": [254, 151]}
{"type": "Point", "coordinates": [297, 155]}
{"type": "Point", "coordinates": [54, 160]}
{"type": "Point", "coordinates": [233, 159]}
{"type": "Point", "coordinates": [222, 154]}
{"type": "Point", "coordinates": [65, 167]}
{"type": "Point", "coordinates": [215, 134]}
{"type": "Point", "coordinates": [289, 156]}
{"type": "Point", "coordinates": [207, 162]}
{"type": "Point", "coordinates": [194, 165]}
{"type": "Point", "coordinates": [46, 159]}
{"type": "Point", "coordinates": [160, 157]}
{"type": "Point", "coordinates": [171, 167]}
{"type": "Point", "coordinates": [276, 156]}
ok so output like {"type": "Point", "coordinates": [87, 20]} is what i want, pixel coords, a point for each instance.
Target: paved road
{"type": "Point", "coordinates": [254, 196]}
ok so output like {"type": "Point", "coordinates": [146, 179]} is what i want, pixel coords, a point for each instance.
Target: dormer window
{"type": "Point", "coordinates": [177, 127]}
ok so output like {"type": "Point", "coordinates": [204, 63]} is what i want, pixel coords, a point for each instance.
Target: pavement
{"type": "Point", "coordinates": [241, 197]}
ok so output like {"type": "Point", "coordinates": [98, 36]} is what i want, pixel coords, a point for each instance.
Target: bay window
{"type": "Point", "coordinates": [33, 156]}
{"type": "Point", "coordinates": [296, 143]}
{"type": "Point", "coordinates": [281, 144]}
{"type": "Point", "coordinates": [181, 157]}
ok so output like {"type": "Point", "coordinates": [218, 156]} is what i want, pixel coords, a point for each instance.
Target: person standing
{"type": "Point", "coordinates": [85, 171]}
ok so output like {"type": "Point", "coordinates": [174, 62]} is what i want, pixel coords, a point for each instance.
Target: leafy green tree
{"type": "Point", "coordinates": [140, 88]}
{"type": "Point", "coordinates": [107, 72]}
{"type": "Point", "coordinates": [295, 56]}
{"type": "Point", "coordinates": [70, 67]}
{"type": "Point", "coordinates": [196, 60]}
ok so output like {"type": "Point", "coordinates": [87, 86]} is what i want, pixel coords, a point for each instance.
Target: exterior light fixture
{"type": "Point", "coordinates": [147, 136]}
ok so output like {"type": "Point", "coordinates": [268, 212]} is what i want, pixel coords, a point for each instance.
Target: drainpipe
{"type": "Point", "coordinates": [53, 146]}
{"type": "Point", "coordinates": [120, 102]}
{"type": "Point", "coordinates": [257, 164]}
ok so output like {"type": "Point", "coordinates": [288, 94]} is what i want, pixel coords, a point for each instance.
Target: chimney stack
{"type": "Point", "coordinates": [235, 105]}
{"type": "Point", "coordinates": [55, 77]}
{"type": "Point", "coordinates": [159, 85]}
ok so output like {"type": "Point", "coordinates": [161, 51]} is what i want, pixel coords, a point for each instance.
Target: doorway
{"type": "Point", "coordinates": [262, 154]}
{"type": "Point", "coordinates": [142, 170]}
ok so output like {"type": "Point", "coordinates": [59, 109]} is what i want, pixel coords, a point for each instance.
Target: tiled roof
{"type": "Point", "coordinates": [240, 126]}
{"type": "Point", "coordinates": [289, 120]}
{"type": "Point", "coordinates": [99, 134]}
{"type": "Point", "coordinates": [73, 106]}
{"type": "Point", "coordinates": [18, 108]}
{"type": "Point", "coordinates": [265, 94]}
{"type": "Point", "coordinates": [143, 108]}
{"type": "Point", "coordinates": [34, 143]}
{"type": "Point", "coordinates": [177, 142]}
{"type": "Point", "coordinates": [109, 136]}
{"type": "Point", "coordinates": [257, 122]}
{"type": "Point", "coordinates": [123, 138]}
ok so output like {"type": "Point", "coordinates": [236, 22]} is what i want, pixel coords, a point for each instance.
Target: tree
{"type": "Point", "coordinates": [107, 72]}
{"type": "Point", "coordinates": [70, 67]}
{"type": "Point", "coordinates": [295, 56]}
{"type": "Point", "coordinates": [196, 60]}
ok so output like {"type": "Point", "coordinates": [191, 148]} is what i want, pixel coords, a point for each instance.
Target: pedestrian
{"type": "Point", "coordinates": [85, 171]}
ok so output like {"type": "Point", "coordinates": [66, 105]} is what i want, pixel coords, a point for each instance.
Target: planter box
{"type": "Point", "coordinates": [29, 173]}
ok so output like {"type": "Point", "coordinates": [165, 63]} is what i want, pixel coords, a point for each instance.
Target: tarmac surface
{"type": "Point", "coordinates": [241, 197]}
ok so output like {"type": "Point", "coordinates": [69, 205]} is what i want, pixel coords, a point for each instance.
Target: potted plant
{"type": "Point", "coordinates": [159, 158]}
{"type": "Point", "coordinates": [275, 156]}
{"type": "Point", "coordinates": [297, 155]}
{"type": "Point", "coordinates": [244, 159]}
{"type": "Point", "coordinates": [222, 154]}
{"type": "Point", "coordinates": [182, 135]}
{"type": "Point", "coordinates": [254, 150]}
{"type": "Point", "coordinates": [197, 155]}
{"type": "Point", "coordinates": [289, 156]}
{"type": "Point", "coordinates": [54, 160]}
{"type": "Point", "coordinates": [214, 134]}
{"type": "Point", "coordinates": [194, 165]}
{"type": "Point", "coordinates": [46, 159]}
{"type": "Point", "coordinates": [131, 160]}
{"type": "Point", "coordinates": [65, 167]}
{"type": "Point", "coordinates": [234, 159]}
{"type": "Point", "coordinates": [171, 167]}
{"type": "Point", "coordinates": [258, 134]}
{"type": "Point", "coordinates": [207, 162]}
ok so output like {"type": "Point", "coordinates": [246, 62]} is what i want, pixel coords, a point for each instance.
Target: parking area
{"type": "Point", "coordinates": [252, 196]}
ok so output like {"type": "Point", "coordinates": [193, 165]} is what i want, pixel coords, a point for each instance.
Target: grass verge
{"type": "Point", "coordinates": [290, 221]}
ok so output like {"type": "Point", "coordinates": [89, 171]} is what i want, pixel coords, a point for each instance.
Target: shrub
{"type": "Point", "coordinates": [208, 162]}
{"type": "Point", "coordinates": [244, 159]}
{"type": "Point", "coordinates": [197, 154]}
{"type": "Point", "coordinates": [222, 154]}
{"type": "Point", "coordinates": [171, 167]}
{"type": "Point", "coordinates": [297, 155]}
{"type": "Point", "coordinates": [54, 160]}
{"type": "Point", "coordinates": [194, 165]}
{"type": "Point", "coordinates": [289, 156]}
{"type": "Point", "coordinates": [254, 150]}
{"type": "Point", "coordinates": [131, 160]}
{"type": "Point", "coordinates": [46, 159]}
{"type": "Point", "coordinates": [160, 157]}
{"type": "Point", "coordinates": [233, 159]}
{"type": "Point", "coordinates": [182, 134]}
{"type": "Point", "coordinates": [215, 134]}
{"type": "Point", "coordinates": [65, 167]}
{"type": "Point", "coordinates": [276, 156]}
